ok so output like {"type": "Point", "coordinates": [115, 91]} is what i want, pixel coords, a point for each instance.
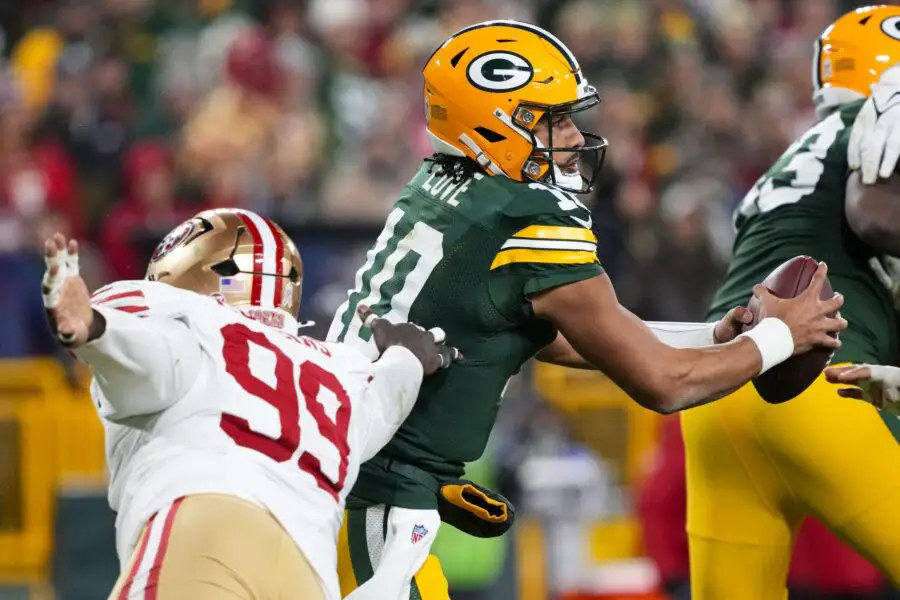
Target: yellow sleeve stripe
{"type": "Point", "coordinates": [560, 257]}
{"type": "Point", "coordinates": [550, 232]}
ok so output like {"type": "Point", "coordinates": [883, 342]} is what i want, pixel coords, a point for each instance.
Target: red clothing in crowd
{"type": "Point", "coordinates": [127, 235]}
{"type": "Point", "coordinates": [147, 213]}
{"type": "Point", "coordinates": [32, 183]}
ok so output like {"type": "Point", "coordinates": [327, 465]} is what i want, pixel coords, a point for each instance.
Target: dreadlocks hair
{"type": "Point", "coordinates": [459, 168]}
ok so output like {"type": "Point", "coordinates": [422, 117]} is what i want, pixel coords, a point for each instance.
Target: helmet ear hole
{"type": "Point", "coordinates": [490, 135]}
{"type": "Point", "coordinates": [455, 60]}
{"type": "Point", "coordinates": [226, 268]}
{"type": "Point", "coordinates": [294, 276]}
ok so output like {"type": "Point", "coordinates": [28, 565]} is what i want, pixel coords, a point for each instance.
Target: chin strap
{"type": "Point", "coordinates": [573, 181]}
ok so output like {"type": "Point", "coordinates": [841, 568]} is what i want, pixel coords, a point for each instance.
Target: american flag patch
{"type": "Point", "coordinates": [231, 284]}
{"type": "Point", "coordinates": [418, 532]}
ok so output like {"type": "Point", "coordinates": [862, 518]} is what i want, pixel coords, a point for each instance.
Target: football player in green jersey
{"type": "Point", "coordinates": [755, 471]}
{"type": "Point", "coordinates": [489, 243]}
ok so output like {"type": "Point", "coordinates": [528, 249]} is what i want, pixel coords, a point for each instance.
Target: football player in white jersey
{"type": "Point", "coordinates": [231, 441]}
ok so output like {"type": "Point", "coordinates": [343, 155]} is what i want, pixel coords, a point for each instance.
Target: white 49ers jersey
{"type": "Point", "coordinates": [198, 398]}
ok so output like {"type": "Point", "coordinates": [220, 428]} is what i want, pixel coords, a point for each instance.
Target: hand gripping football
{"type": "Point", "coordinates": [790, 378]}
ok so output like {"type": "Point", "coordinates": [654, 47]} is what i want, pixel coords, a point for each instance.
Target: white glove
{"type": "Point", "coordinates": [887, 270]}
{"type": "Point", "coordinates": [874, 146]}
{"type": "Point", "coordinates": [878, 385]}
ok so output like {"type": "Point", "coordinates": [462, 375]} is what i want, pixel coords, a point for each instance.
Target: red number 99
{"type": "Point", "coordinates": [283, 397]}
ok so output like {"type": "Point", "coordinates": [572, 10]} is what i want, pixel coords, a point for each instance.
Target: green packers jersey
{"type": "Point", "coordinates": [464, 256]}
{"type": "Point", "coordinates": [797, 208]}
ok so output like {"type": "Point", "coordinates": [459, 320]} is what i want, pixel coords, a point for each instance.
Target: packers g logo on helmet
{"type": "Point", "coordinates": [489, 85]}
{"type": "Point", "coordinates": [851, 54]}
{"type": "Point", "coordinates": [499, 72]}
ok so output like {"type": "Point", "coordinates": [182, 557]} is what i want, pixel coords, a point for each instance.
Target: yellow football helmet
{"type": "Point", "coordinates": [851, 54]}
{"type": "Point", "coordinates": [486, 88]}
{"type": "Point", "coordinates": [237, 255]}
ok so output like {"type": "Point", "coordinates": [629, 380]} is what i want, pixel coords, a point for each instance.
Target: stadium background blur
{"type": "Point", "coordinates": [120, 118]}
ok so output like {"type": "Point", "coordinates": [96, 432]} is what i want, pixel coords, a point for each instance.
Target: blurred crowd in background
{"type": "Point", "coordinates": [121, 118]}
{"type": "Point", "coordinates": [118, 118]}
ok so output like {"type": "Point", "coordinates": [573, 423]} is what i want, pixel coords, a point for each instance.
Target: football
{"type": "Point", "coordinates": [788, 379]}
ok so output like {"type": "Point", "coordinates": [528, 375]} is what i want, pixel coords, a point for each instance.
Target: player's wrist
{"type": "Point", "coordinates": [774, 341]}
{"type": "Point", "coordinates": [400, 354]}
{"type": "Point", "coordinates": [400, 365]}
{"type": "Point", "coordinates": [97, 325]}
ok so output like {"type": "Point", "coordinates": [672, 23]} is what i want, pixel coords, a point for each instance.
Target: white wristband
{"type": "Point", "coordinates": [774, 341]}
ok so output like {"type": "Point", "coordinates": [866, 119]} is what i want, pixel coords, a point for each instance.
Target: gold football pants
{"type": "Point", "coordinates": [755, 470]}
{"type": "Point", "coordinates": [216, 547]}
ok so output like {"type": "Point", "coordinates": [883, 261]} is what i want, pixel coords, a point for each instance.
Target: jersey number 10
{"type": "Point", "coordinates": [397, 268]}
{"type": "Point", "coordinates": [284, 398]}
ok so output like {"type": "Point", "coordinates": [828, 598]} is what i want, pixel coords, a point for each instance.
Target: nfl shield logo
{"type": "Point", "coordinates": [418, 533]}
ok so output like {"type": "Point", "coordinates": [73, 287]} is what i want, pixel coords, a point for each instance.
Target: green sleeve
{"type": "Point", "coordinates": [536, 253]}
{"type": "Point", "coordinates": [555, 277]}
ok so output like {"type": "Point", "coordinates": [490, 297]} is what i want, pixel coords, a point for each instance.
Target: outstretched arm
{"type": "Point", "coordinates": [141, 365]}
{"type": "Point", "coordinates": [667, 379]}
{"type": "Point", "coordinates": [408, 353]}
{"type": "Point", "coordinates": [677, 335]}
{"type": "Point", "coordinates": [142, 362]}
{"type": "Point", "coordinates": [390, 396]}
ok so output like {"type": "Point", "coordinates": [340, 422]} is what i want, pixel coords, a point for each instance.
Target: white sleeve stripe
{"type": "Point", "coordinates": [549, 245]}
